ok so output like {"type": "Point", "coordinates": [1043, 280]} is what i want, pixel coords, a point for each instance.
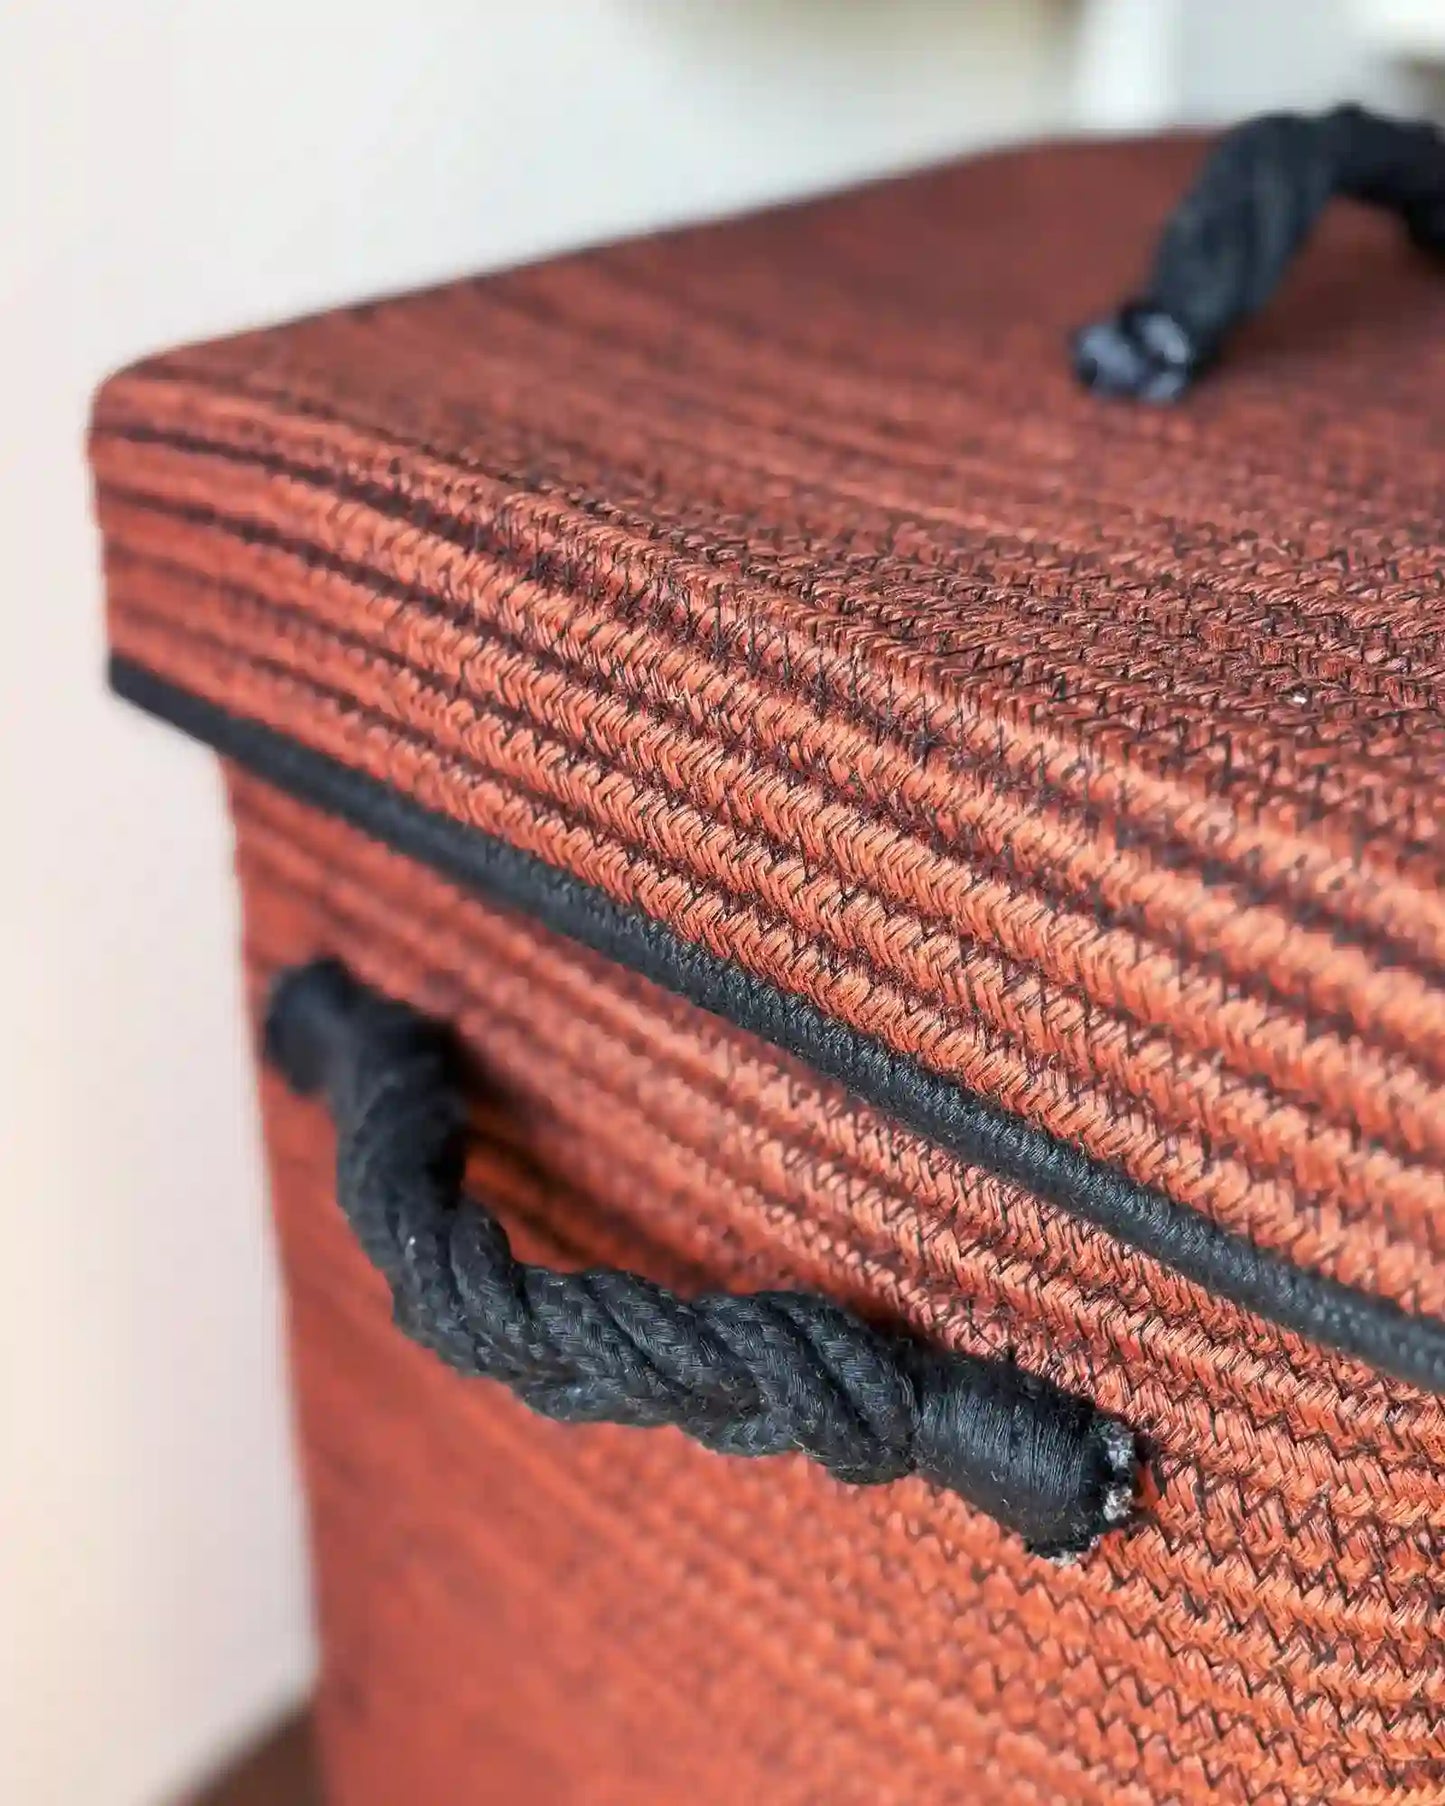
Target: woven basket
{"type": "Point", "coordinates": [741, 686]}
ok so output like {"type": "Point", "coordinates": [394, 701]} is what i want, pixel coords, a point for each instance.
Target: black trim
{"type": "Point", "coordinates": [1372, 1330]}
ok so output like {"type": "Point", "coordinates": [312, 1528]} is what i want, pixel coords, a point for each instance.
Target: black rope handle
{"type": "Point", "coordinates": [1226, 247]}
{"type": "Point", "coordinates": [761, 1373]}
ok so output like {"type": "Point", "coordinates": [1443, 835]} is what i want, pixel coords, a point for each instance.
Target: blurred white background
{"type": "Point", "coordinates": [169, 170]}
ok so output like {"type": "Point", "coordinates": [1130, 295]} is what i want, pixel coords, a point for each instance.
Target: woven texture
{"type": "Point", "coordinates": [513, 1610]}
{"type": "Point", "coordinates": [774, 579]}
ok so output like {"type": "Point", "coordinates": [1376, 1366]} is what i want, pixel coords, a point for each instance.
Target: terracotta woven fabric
{"type": "Point", "coordinates": [773, 579]}
{"type": "Point", "coordinates": [517, 1611]}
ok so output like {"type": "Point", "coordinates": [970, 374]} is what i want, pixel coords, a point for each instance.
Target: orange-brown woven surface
{"type": "Point", "coordinates": [773, 579]}
{"type": "Point", "coordinates": [514, 1611]}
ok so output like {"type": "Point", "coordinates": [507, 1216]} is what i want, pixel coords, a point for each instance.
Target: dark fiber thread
{"type": "Point", "coordinates": [1226, 247]}
{"type": "Point", "coordinates": [762, 1373]}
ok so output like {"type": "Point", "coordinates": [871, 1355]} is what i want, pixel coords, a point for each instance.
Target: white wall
{"type": "Point", "coordinates": [1244, 56]}
{"type": "Point", "coordinates": [169, 170]}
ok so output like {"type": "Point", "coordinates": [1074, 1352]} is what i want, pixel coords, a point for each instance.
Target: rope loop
{"type": "Point", "coordinates": [1227, 246]}
{"type": "Point", "coordinates": [761, 1373]}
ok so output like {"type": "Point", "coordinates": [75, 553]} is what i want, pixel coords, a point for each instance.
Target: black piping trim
{"type": "Point", "coordinates": [1372, 1330]}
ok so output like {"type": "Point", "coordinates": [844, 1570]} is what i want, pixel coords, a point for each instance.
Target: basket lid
{"type": "Point", "coordinates": [765, 603]}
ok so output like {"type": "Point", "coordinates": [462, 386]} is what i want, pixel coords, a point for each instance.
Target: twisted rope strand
{"type": "Point", "coordinates": [1226, 247]}
{"type": "Point", "coordinates": [762, 1373]}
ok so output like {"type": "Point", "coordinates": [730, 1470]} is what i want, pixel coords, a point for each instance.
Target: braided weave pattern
{"type": "Point", "coordinates": [776, 582]}
{"type": "Point", "coordinates": [1120, 811]}
{"type": "Point", "coordinates": [1266, 1632]}
{"type": "Point", "coordinates": [768, 1373]}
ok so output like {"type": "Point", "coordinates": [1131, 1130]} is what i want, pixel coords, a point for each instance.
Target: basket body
{"type": "Point", "coordinates": [771, 586]}
{"type": "Point", "coordinates": [516, 1610]}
